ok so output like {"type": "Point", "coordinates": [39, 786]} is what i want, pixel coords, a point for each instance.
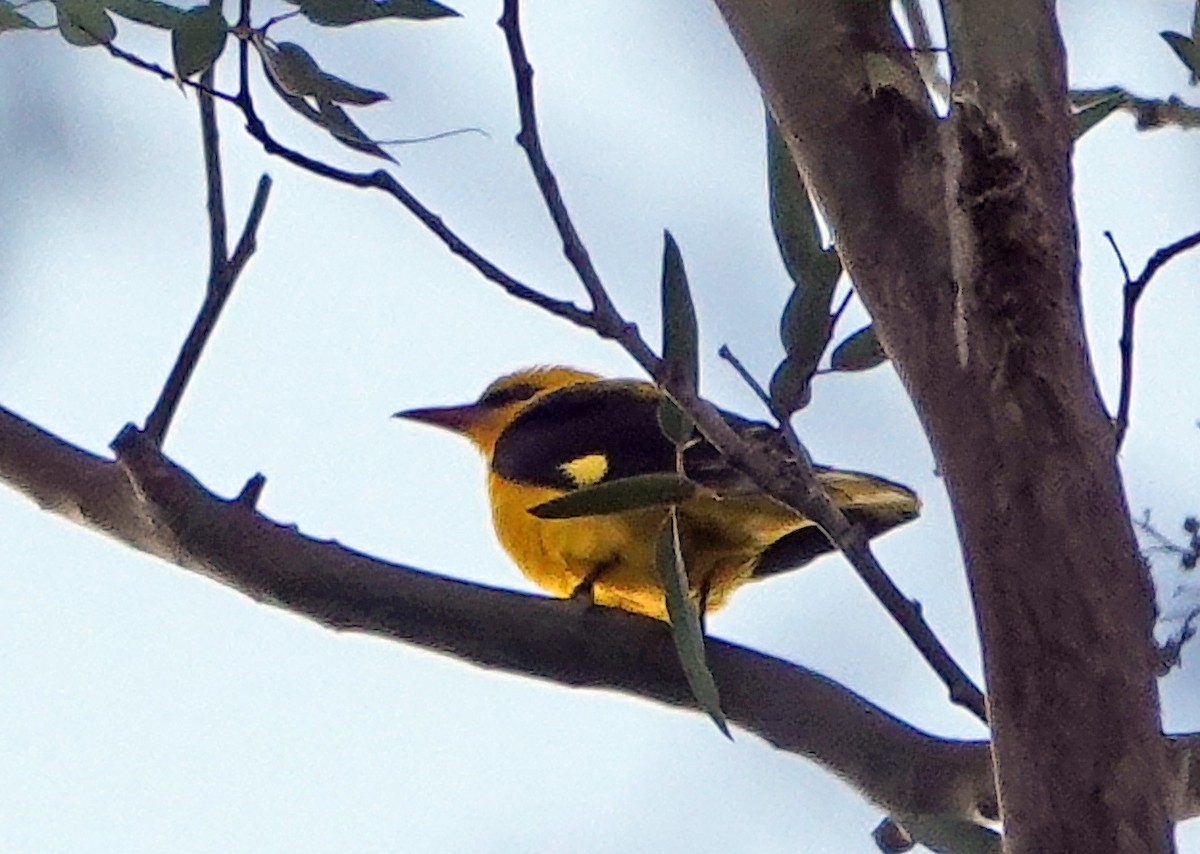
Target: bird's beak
{"type": "Point", "coordinates": [456, 418]}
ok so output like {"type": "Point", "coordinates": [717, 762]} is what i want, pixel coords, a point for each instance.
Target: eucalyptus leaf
{"type": "Point", "coordinates": [859, 352]}
{"type": "Point", "coordinates": [340, 13]}
{"type": "Point", "coordinates": [84, 23]}
{"type": "Point", "coordinates": [806, 324]}
{"type": "Point", "coordinates": [1187, 50]}
{"type": "Point", "coordinates": [149, 12]}
{"type": "Point", "coordinates": [790, 389]}
{"type": "Point", "coordinates": [793, 219]}
{"type": "Point", "coordinates": [681, 351]}
{"type": "Point", "coordinates": [658, 489]}
{"type": "Point", "coordinates": [330, 117]}
{"type": "Point", "coordinates": [681, 356]}
{"type": "Point", "coordinates": [297, 73]}
{"type": "Point", "coordinates": [198, 39]}
{"type": "Point", "coordinates": [335, 120]}
{"type": "Point", "coordinates": [1097, 111]}
{"type": "Point", "coordinates": [684, 616]}
{"type": "Point", "coordinates": [11, 19]}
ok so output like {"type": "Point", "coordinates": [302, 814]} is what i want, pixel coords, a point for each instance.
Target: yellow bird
{"type": "Point", "coordinates": [547, 431]}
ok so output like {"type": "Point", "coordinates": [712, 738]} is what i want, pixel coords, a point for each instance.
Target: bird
{"type": "Point", "coordinates": [547, 431]}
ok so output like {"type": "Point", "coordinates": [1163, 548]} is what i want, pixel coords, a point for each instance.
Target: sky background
{"type": "Point", "coordinates": [144, 708]}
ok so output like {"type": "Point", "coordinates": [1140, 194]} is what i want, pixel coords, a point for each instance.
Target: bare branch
{"type": "Point", "coordinates": [1133, 291]}
{"type": "Point", "coordinates": [145, 65]}
{"type": "Point", "coordinates": [223, 271]}
{"type": "Point", "coordinates": [146, 501]}
{"type": "Point", "coordinates": [530, 141]}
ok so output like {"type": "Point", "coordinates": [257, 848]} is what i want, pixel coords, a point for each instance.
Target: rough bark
{"type": "Point", "coordinates": [960, 236]}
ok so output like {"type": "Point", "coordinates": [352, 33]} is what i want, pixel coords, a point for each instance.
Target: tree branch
{"type": "Point", "coordinates": [1132, 292]}
{"type": "Point", "coordinates": [530, 141]}
{"type": "Point", "coordinates": [146, 501]}
{"type": "Point", "coordinates": [1148, 113]}
{"type": "Point", "coordinates": [223, 271]}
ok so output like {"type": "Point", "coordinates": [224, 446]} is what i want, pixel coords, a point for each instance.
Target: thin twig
{"type": "Point", "coordinates": [781, 420]}
{"type": "Point", "coordinates": [1133, 291]}
{"type": "Point", "coordinates": [218, 230]}
{"type": "Point", "coordinates": [747, 377]}
{"type": "Point", "coordinates": [146, 65]}
{"type": "Point", "coordinates": [530, 141]}
{"type": "Point", "coordinates": [223, 271]}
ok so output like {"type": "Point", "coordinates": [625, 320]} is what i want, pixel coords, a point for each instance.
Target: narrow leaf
{"type": "Point", "coordinates": [685, 622]}
{"type": "Point", "coordinates": [793, 220]}
{"type": "Point", "coordinates": [335, 120]}
{"type": "Point", "coordinates": [681, 349]}
{"type": "Point", "coordinates": [297, 73]}
{"type": "Point", "coordinates": [340, 13]}
{"type": "Point", "coordinates": [11, 19]}
{"type": "Point", "coordinates": [84, 23]}
{"type": "Point", "coordinates": [341, 91]}
{"type": "Point", "coordinates": [680, 332]}
{"type": "Point", "coordinates": [659, 489]}
{"type": "Point", "coordinates": [1187, 50]}
{"type": "Point", "coordinates": [1096, 112]}
{"type": "Point", "coordinates": [791, 387]}
{"type": "Point", "coordinates": [859, 352]}
{"type": "Point", "coordinates": [330, 117]}
{"type": "Point", "coordinates": [806, 324]}
{"type": "Point", "coordinates": [198, 39]}
{"type": "Point", "coordinates": [149, 12]}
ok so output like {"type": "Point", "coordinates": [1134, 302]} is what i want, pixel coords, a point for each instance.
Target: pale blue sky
{"type": "Point", "coordinates": [148, 709]}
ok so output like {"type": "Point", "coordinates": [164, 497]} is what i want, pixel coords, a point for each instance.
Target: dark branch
{"type": "Point", "coordinates": [530, 141]}
{"type": "Point", "coordinates": [146, 501]}
{"type": "Point", "coordinates": [223, 271]}
{"type": "Point", "coordinates": [145, 65]}
{"type": "Point", "coordinates": [1133, 291]}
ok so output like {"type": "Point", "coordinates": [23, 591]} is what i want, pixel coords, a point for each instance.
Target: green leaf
{"type": "Point", "coordinates": [793, 220]}
{"type": "Point", "coordinates": [198, 39]}
{"type": "Point", "coordinates": [1097, 111]}
{"type": "Point", "coordinates": [860, 352]}
{"type": "Point", "coordinates": [340, 13]}
{"type": "Point", "coordinates": [806, 324]}
{"type": "Point", "coordinates": [659, 489]}
{"type": "Point", "coordinates": [329, 116]}
{"type": "Point", "coordinates": [11, 19]}
{"type": "Point", "coordinates": [335, 120]}
{"type": "Point", "coordinates": [791, 387]}
{"type": "Point", "coordinates": [681, 348]}
{"type": "Point", "coordinates": [149, 12]}
{"type": "Point", "coordinates": [685, 622]}
{"type": "Point", "coordinates": [84, 23]}
{"type": "Point", "coordinates": [297, 73]}
{"type": "Point", "coordinates": [1187, 50]}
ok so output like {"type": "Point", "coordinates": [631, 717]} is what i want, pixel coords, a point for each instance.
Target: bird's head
{"type": "Point", "coordinates": [484, 420]}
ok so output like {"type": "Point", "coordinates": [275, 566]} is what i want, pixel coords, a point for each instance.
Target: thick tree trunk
{"type": "Point", "coordinates": [960, 236]}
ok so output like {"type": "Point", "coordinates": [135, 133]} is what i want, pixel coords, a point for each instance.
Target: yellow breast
{"type": "Point", "coordinates": [617, 550]}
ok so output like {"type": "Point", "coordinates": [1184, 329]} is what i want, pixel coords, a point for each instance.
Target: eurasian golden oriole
{"type": "Point", "coordinates": [547, 431]}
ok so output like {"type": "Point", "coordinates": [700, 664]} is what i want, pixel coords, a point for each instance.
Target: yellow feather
{"type": "Point", "coordinates": [723, 538]}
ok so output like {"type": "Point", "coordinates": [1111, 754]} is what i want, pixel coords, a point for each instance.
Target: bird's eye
{"type": "Point", "coordinates": [510, 394]}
